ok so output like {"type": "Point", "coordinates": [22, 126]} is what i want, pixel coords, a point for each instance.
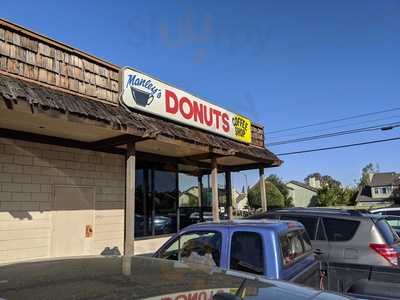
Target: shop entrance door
{"type": "Point", "coordinates": [72, 220]}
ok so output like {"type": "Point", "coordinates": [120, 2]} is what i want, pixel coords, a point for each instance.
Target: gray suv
{"type": "Point", "coordinates": [345, 236]}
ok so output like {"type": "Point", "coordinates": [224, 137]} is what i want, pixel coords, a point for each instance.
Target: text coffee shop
{"type": "Point", "coordinates": [97, 160]}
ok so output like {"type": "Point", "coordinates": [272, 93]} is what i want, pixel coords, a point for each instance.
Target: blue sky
{"type": "Point", "coordinates": [282, 63]}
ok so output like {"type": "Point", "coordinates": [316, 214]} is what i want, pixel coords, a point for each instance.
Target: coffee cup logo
{"type": "Point", "coordinates": [141, 98]}
{"type": "Point", "coordinates": [143, 90]}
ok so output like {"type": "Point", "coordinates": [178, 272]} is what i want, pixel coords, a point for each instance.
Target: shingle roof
{"type": "Point", "coordinates": [303, 185]}
{"type": "Point", "coordinates": [384, 179]}
{"type": "Point", "coordinates": [14, 90]}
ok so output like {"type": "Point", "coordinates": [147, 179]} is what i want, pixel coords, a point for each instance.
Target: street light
{"type": "Point", "coordinates": [247, 184]}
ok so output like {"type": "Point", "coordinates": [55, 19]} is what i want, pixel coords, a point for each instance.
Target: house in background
{"type": "Point", "coordinates": [302, 193]}
{"type": "Point", "coordinates": [240, 202]}
{"type": "Point", "coordinates": [380, 189]}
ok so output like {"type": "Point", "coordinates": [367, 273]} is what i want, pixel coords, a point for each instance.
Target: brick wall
{"type": "Point", "coordinates": [28, 173]}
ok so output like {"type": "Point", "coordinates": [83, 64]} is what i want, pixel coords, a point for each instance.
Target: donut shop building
{"type": "Point", "coordinates": [98, 159]}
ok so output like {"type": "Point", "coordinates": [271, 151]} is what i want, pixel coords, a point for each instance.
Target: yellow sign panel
{"type": "Point", "coordinates": [242, 128]}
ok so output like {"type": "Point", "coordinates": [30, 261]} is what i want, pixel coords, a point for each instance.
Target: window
{"type": "Point", "coordinates": [392, 213]}
{"type": "Point", "coordinates": [340, 230]}
{"type": "Point", "coordinates": [394, 222]}
{"type": "Point", "coordinates": [165, 201]}
{"type": "Point", "coordinates": [310, 223]}
{"type": "Point", "coordinates": [387, 232]}
{"type": "Point", "coordinates": [321, 232]}
{"type": "Point", "coordinates": [247, 253]}
{"type": "Point", "coordinates": [294, 245]}
{"type": "Point", "coordinates": [376, 190]}
{"type": "Point", "coordinates": [201, 247]}
{"type": "Point", "coordinates": [156, 199]}
{"type": "Point", "coordinates": [190, 211]}
{"type": "Point", "coordinates": [384, 190]}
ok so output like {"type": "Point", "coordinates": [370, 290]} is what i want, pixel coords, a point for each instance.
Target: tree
{"type": "Point", "coordinates": [335, 196]}
{"type": "Point", "coordinates": [275, 199]}
{"type": "Point", "coordinates": [364, 180]}
{"type": "Point", "coordinates": [275, 180]}
{"type": "Point", "coordinates": [325, 180]}
{"type": "Point", "coordinates": [316, 175]}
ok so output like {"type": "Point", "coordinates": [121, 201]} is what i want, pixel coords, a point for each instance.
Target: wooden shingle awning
{"type": "Point", "coordinates": [46, 99]}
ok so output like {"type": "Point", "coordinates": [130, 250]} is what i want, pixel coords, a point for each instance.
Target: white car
{"type": "Point", "coordinates": [387, 211]}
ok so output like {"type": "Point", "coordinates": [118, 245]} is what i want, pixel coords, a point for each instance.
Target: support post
{"type": "Point", "coordinates": [200, 187]}
{"type": "Point", "coordinates": [228, 185]}
{"type": "Point", "coordinates": [214, 189]}
{"type": "Point", "coordinates": [262, 190]}
{"type": "Point", "coordinates": [130, 200]}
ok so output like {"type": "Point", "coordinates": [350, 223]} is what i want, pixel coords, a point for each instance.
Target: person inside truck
{"type": "Point", "coordinates": [198, 253]}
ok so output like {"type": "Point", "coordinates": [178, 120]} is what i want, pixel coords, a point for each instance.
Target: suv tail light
{"type": "Point", "coordinates": [387, 252]}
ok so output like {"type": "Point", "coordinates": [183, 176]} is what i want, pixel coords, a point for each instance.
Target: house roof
{"type": "Point", "coordinates": [49, 99]}
{"type": "Point", "coordinates": [384, 179]}
{"type": "Point", "coordinates": [241, 197]}
{"type": "Point", "coordinates": [303, 185]}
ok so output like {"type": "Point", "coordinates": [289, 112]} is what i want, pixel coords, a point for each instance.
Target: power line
{"type": "Point", "coordinates": [338, 147]}
{"type": "Point", "coordinates": [332, 127]}
{"type": "Point", "coordinates": [335, 120]}
{"type": "Point", "coordinates": [387, 126]}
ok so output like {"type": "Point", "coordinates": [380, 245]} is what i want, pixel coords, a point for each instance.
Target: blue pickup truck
{"type": "Point", "coordinates": [274, 249]}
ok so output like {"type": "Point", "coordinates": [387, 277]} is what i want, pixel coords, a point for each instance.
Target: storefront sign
{"type": "Point", "coordinates": [144, 93]}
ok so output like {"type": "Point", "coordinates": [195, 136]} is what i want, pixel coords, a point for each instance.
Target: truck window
{"type": "Point", "coordinates": [200, 247]}
{"type": "Point", "coordinates": [340, 230]}
{"type": "Point", "coordinates": [247, 253]}
{"type": "Point", "coordinates": [310, 223]}
{"type": "Point", "coordinates": [294, 245]}
{"type": "Point", "coordinates": [320, 232]}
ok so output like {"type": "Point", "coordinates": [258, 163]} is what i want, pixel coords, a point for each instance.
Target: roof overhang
{"type": "Point", "coordinates": [41, 111]}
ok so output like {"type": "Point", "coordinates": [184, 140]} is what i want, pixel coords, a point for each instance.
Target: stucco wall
{"type": "Point", "coordinates": [28, 174]}
{"type": "Point", "coordinates": [301, 196]}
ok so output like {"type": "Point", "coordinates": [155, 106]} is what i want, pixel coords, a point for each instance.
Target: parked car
{"type": "Point", "coordinates": [150, 279]}
{"type": "Point", "coordinates": [345, 236]}
{"type": "Point", "coordinates": [277, 250]}
{"type": "Point", "coordinates": [385, 211]}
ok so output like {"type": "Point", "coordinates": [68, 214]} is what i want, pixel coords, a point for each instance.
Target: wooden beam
{"type": "Point", "coordinates": [45, 139]}
{"type": "Point", "coordinates": [209, 155]}
{"type": "Point", "coordinates": [262, 190]}
{"type": "Point", "coordinates": [116, 141]}
{"type": "Point", "coordinates": [228, 185]}
{"type": "Point", "coordinates": [214, 189]}
{"type": "Point", "coordinates": [244, 167]}
{"type": "Point", "coordinates": [130, 200]}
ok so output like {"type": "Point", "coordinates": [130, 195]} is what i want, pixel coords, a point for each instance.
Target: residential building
{"type": "Point", "coordinates": [302, 193]}
{"type": "Point", "coordinates": [381, 188]}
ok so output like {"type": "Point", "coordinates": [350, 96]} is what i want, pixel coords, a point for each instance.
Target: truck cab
{"type": "Point", "coordinates": [274, 249]}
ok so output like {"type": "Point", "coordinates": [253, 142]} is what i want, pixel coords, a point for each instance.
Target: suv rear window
{"type": "Point", "coordinates": [294, 245]}
{"type": "Point", "coordinates": [310, 223]}
{"type": "Point", "coordinates": [387, 232]}
{"type": "Point", "coordinates": [340, 230]}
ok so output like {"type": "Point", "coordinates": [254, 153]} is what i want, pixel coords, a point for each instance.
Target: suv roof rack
{"type": "Point", "coordinates": [327, 210]}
